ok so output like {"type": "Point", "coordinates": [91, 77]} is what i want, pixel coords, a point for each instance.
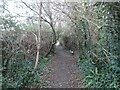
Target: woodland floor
{"type": "Point", "coordinates": [65, 72]}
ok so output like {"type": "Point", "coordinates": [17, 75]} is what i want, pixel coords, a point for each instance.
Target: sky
{"type": "Point", "coordinates": [14, 6]}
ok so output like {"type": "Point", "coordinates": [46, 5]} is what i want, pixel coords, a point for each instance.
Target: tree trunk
{"type": "Point", "coordinates": [38, 41]}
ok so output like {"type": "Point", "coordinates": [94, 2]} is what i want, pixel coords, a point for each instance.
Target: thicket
{"type": "Point", "coordinates": [18, 57]}
{"type": "Point", "coordinates": [100, 58]}
{"type": "Point", "coordinates": [68, 41]}
{"type": "Point", "coordinates": [96, 35]}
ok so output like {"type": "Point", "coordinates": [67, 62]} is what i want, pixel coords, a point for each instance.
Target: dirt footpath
{"type": "Point", "coordinates": [64, 70]}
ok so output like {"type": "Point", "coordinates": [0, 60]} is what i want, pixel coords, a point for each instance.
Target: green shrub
{"type": "Point", "coordinates": [16, 68]}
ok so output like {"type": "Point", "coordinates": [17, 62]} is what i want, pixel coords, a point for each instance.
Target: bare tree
{"type": "Point", "coordinates": [48, 11]}
{"type": "Point", "coordinates": [48, 18]}
{"type": "Point", "coordinates": [38, 39]}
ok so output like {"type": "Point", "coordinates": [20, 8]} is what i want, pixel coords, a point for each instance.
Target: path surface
{"type": "Point", "coordinates": [64, 70]}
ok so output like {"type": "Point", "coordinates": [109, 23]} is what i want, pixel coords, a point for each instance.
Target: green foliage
{"type": "Point", "coordinates": [16, 73]}
{"type": "Point", "coordinates": [10, 24]}
{"type": "Point", "coordinates": [16, 67]}
{"type": "Point", "coordinates": [100, 64]}
{"type": "Point", "coordinates": [106, 77]}
{"type": "Point", "coordinates": [28, 26]}
{"type": "Point", "coordinates": [33, 26]}
{"type": "Point", "coordinates": [69, 41]}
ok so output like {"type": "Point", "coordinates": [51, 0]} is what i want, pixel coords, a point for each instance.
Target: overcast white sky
{"type": "Point", "coordinates": [13, 3]}
{"type": "Point", "coordinates": [14, 6]}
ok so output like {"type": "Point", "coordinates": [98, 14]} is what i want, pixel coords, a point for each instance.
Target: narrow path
{"type": "Point", "coordinates": [64, 70]}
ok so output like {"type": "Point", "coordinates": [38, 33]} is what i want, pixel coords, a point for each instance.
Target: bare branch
{"type": "Point", "coordinates": [38, 39]}
{"type": "Point", "coordinates": [29, 7]}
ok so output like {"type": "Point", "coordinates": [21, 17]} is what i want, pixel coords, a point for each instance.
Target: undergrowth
{"type": "Point", "coordinates": [105, 76]}
{"type": "Point", "coordinates": [16, 70]}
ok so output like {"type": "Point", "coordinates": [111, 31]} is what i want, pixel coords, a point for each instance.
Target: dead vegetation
{"type": "Point", "coordinates": [27, 41]}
